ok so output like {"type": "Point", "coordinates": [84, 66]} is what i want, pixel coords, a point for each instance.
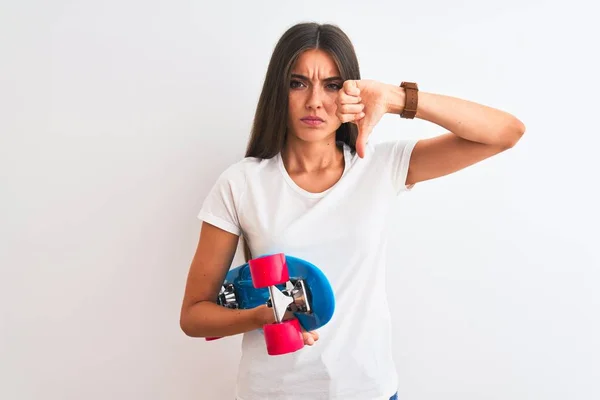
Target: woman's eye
{"type": "Point", "coordinates": [298, 84]}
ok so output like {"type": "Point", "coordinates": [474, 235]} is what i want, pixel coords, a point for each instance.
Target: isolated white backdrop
{"type": "Point", "coordinates": [116, 117]}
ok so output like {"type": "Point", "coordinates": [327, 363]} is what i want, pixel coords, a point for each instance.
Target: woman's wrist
{"type": "Point", "coordinates": [395, 99]}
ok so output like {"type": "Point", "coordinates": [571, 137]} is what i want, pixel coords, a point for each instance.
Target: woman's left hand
{"type": "Point", "coordinates": [362, 102]}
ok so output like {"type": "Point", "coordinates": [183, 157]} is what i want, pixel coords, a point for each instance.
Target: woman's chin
{"type": "Point", "coordinates": [313, 135]}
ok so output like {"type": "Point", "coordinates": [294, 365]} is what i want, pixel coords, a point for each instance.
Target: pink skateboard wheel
{"type": "Point", "coordinates": [269, 270]}
{"type": "Point", "coordinates": [284, 337]}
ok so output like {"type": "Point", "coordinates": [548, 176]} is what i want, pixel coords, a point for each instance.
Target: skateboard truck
{"type": "Point", "coordinates": [227, 296]}
{"type": "Point", "coordinates": [294, 298]}
{"type": "Point", "coordinates": [297, 298]}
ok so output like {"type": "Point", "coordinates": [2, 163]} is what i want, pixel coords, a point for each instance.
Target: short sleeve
{"type": "Point", "coordinates": [221, 206]}
{"type": "Point", "coordinates": [395, 156]}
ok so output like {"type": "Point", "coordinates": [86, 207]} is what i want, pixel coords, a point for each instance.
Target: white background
{"type": "Point", "coordinates": [116, 117]}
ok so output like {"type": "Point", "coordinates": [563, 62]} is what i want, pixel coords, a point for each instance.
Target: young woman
{"type": "Point", "coordinates": [312, 186]}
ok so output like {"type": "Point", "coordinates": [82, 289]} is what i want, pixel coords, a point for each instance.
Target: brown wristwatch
{"type": "Point", "coordinates": [412, 99]}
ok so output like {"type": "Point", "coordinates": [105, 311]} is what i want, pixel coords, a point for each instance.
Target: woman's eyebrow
{"type": "Point", "coordinates": [333, 78]}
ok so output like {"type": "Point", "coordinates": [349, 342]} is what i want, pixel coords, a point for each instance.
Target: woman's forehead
{"type": "Point", "coordinates": [316, 65]}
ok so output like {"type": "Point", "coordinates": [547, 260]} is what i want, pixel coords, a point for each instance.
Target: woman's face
{"type": "Point", "coordinates": [314, 86]}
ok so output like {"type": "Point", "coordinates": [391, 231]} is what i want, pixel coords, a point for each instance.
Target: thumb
{"type": "Point", "coordinates": [360, 143]}
{"type": "Point", "coordinates": [364, 130]}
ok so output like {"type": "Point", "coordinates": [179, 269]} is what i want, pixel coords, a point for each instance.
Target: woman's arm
{"type": "Point", "coordinates": [200, 315]}
{"type": "Point", "coordinates": [466, 119]}
{"type": "Point", "coordinates": [476, 132]}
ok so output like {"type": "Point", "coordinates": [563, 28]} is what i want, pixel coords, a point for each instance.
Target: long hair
{"type": "Point", "coordinates": [269, 129]}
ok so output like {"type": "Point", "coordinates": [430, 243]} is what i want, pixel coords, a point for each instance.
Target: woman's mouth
{"type": "Point", "coordinates": [312, 121]}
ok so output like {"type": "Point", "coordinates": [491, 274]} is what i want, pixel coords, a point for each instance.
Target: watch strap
{"type": "Point", "coordinates": [412, 100]}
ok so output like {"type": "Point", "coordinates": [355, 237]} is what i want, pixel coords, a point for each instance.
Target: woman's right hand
{"type": "Point", "coordinates": [309, 337]}
{"type": "Point", "coordinates": [266, 316]}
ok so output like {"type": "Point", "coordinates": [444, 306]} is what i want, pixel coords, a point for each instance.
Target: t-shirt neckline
{"type": "Point", "coordinates": [306, 193]}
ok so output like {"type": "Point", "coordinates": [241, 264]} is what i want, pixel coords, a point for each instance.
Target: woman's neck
{"type": "Point", "coordinates": [309, 157]}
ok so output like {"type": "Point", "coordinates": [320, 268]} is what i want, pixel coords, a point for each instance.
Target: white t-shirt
{"type": "Point", "coordinates": [343, 232]}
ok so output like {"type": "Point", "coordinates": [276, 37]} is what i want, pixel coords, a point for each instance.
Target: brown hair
{"type": "Point", "coordinates": [269, 130]}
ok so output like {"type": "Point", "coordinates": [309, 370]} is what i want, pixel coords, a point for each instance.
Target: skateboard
{"type": "Point", "coordinates": [283, 283]}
